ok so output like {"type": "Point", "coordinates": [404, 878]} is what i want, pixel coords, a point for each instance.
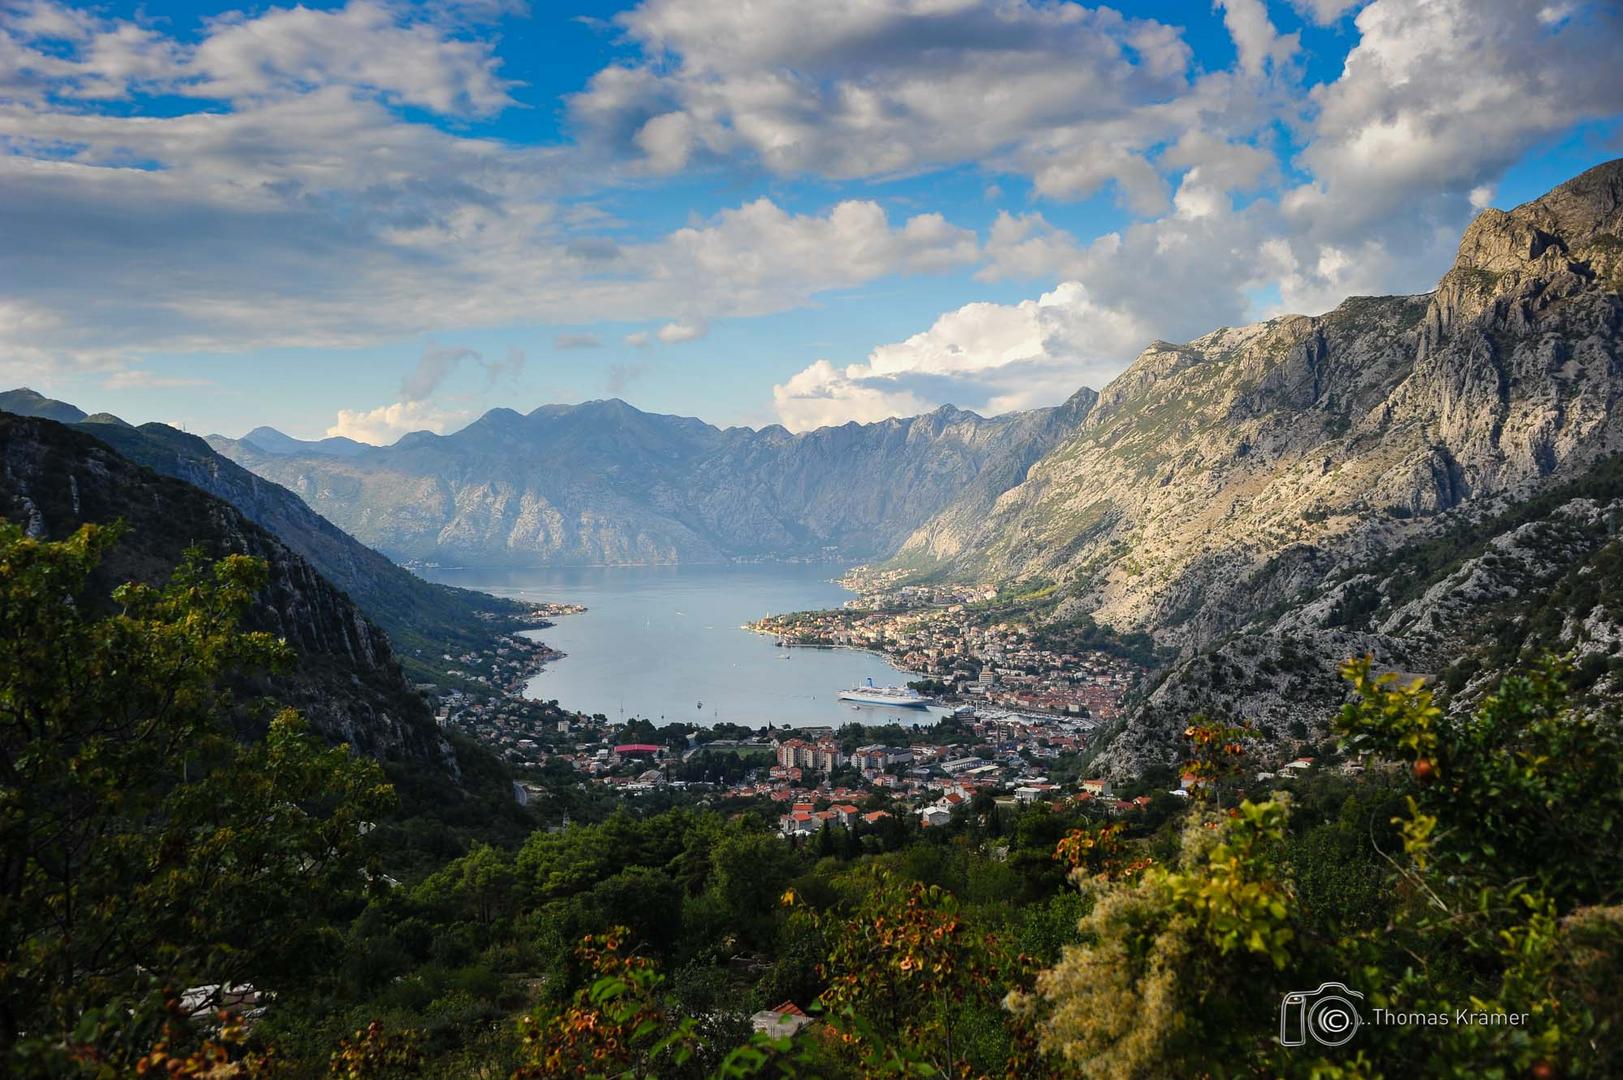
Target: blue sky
{"type": "Point", "coordinates": [370, 217]}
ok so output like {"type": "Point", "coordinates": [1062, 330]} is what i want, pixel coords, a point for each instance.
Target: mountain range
{"type": "Point", "coordinates": [603, 482]}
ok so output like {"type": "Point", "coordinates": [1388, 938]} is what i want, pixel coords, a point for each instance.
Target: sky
{"type": "Point", "coordinates": [372, 217]}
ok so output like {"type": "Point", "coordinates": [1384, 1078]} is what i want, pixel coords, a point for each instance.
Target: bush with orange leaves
{"type": "Point", "coordinates": [615, 1026]}
{"type": "Point", "coordinates": [1217, 755]}
{"type": "Point", "coordinates": [378, 1054]}
{"type": "Point", "coordinates": [915, 990]}
{"type": "Point", "coordinates": [1098, 851]}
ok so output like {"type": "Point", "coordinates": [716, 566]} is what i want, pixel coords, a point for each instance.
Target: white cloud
{"type": "Point", "coordinates": [995, 357]}
{"type": "Point", "coordinates": [386, 423]}
{"type": "Point", "coordinates": [576, 341]}
{"type": "Point", "coordinates": [365, 45]}
{"type": "Point", "coordinates": [822, 395]}
{"type": "Point", "coordinates": [437, 362]}
{"type": "Point", "coordinates": [639, 339]}
{"type": "Point", "coordinates": [1440, 97]}
{"type": "Point", "coordinates": [392, 51]}
{"type": "Point", "coordinates": [675, 333]}
{"type": "Point", "coordinates": [1261, 48]}
{"type": "Point", "coordinates": [1325, 12]}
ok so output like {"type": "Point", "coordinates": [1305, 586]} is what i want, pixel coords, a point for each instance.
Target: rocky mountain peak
{"type": "Point", "coordinates": [1586, 209]}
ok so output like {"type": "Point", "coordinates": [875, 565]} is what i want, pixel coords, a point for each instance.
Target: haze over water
{"type": "Point", "coordinates": [664, 642]}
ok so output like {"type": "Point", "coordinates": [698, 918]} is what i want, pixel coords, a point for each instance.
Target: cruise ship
{"type": "Point", "coordinates": [869, 694]}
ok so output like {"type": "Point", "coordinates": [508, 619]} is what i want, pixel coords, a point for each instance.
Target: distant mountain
{"type": "Point", "coordinates": [26, 402]}
{"type": "Point", "coordinates": [347, 681]}
{"type": "Point", "coordinates": [424, 621]}
{"type": "Point", "coordinates": [270, 441]}
{"type": "Point", "coordinates": [604, 482]}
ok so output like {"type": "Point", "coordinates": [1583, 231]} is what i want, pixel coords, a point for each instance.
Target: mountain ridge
{"type": "Point", "coordinates": [604, 482]}
{"type": "Point", "coordinates": [423, 620]}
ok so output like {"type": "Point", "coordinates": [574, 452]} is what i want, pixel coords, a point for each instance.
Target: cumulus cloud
{"type": "Point", "coordinates": [366, 45]}
{"type": "Point", "coordinates": [386, 423]}
{"type": "Point", "coordinates": [1261, 48]}
{"type": "Point", "coordinates": [639, 339]}
{"type": "Point", "coordinates": [1434, 103]}
{"type": "Point", "coordinates": [995, 357]}
{"type": "Point", "coordinates": [387, 50]}
{"type": "Point", "coordinates": [577, 341]}
{"type": "Point", "coordinates": [364, 223]}
{"type": "Point", "coordinates": [1325, 12]}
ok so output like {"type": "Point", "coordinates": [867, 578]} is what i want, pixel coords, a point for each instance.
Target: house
{"type": "Point", "coordinates": [798, 823]}
{"type": "Point", "coordinates": [845, 813]}
{"type": "Point", "coordinates": [1096, 787]}
{"type": "Point", "coordinates": [934, 815]}
{"type": "Point", "coordinates": [781, 1021]}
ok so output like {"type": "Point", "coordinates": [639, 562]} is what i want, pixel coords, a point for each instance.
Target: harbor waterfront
{"type": "Point", "coordinates": [667, 643]}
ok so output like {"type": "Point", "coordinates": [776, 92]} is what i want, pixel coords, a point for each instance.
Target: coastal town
{"type": "Point", "coordinates": [1004, 710]}
{"type": "Point", "coordinates": [953, 637]}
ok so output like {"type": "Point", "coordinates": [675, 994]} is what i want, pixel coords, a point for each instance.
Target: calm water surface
{"type": "Point", "coordinates": [664, 642]}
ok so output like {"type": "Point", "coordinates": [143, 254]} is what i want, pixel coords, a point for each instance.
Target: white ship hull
{"type": "Point", "coordinates": [903, 700]}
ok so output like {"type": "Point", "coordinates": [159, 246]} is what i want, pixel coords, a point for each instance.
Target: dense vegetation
{"type": "Point", "coordinates": [1469, 866]}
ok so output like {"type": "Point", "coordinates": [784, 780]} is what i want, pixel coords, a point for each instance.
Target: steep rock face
{"type": "Point", "coordinates": [606, 483]}
{"type": "Point", "coordinates": [346, 680]}
{"type": "Point", "coordinates": [1216, 479]}
{"type": "Point", "coordinates": [1498, 589]}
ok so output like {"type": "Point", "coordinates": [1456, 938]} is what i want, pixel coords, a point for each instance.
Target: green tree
{"type": "Point", "coordinates": [141, 844]}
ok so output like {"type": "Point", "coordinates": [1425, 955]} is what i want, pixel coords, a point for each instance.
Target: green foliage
{"type": "Point", "coordinates": [143, 845]}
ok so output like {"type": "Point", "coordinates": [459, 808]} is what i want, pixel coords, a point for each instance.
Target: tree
{"type": "Point", "coordinates": [141, 844]}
